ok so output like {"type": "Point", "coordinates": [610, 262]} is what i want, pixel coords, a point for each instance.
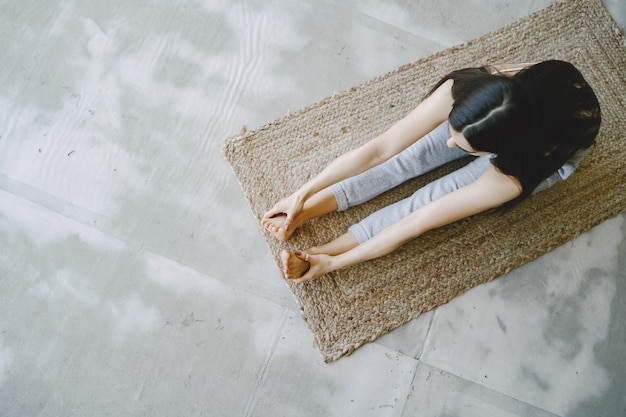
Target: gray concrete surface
{"type": "Point", "coordinates": [134, 281]}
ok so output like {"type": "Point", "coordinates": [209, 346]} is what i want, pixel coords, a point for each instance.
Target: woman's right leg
{"type": "Point", "coordinates": [423, 156]}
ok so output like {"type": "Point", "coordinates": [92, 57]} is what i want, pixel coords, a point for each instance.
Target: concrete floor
{"type": "Point", "coordinates": [134, 281]}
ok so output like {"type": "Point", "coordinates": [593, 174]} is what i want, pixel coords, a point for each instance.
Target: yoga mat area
{"type": "Point", "coordinates": [348, 308]}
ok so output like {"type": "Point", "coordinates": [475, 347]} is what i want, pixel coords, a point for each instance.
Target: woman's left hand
{"type": "Point", "coordinates": [319, 265]}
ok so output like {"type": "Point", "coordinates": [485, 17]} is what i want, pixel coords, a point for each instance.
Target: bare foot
{"type": "Point", "coordinates": [293, 267]}
{"type": "Point", "coordinates": [275, 224]}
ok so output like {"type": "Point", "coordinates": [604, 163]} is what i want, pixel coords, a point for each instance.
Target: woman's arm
{"type": "Point", "coordinates": [491, 190]}
{"type": "Point", "coordinates": [424, 118]}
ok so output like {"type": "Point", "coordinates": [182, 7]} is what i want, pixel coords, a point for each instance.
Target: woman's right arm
{"type": "Point", "coordinates": [424, 118]}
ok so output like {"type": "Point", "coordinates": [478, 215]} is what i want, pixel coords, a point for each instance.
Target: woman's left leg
{"type": "Point", "coordinates": [386, 216]}
{"type": "Point", "coordinates": [423, 156]}
{"type": "Point", "coordinates": [295, 264]}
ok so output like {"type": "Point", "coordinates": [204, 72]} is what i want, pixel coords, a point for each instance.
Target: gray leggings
{"type": "Point", "coordinates": [423, 156]}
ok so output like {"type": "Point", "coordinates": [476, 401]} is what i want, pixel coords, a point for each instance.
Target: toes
{"type": "Point", "coordinates": [275, 229]}
{"type": "Point", "coordinates": [295, 265]}
{"type": "Point", "coordinates": [284, 257]}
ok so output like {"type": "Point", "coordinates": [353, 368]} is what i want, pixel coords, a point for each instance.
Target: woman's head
{"type": "Point", "coordinates": [533, 122]}
{"type": "Point", "coordinates": [491, 112]}
{"type": "Point", "coordinates": [569, 109]}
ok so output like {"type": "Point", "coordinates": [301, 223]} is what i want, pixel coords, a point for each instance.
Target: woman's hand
{"type": "Point", "coordinates": [290, 207]}
{"type": "Point", "coordinates": [318, 265]}
{"type": "Point", "coordinates": [300, 266]}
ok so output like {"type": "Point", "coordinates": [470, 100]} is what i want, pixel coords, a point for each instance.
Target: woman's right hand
{"type": "Point", "coordinates": [279, 221]}
{"type": "Point", "coordinates": [290, 207]}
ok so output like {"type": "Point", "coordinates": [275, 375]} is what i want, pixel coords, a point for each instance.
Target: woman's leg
{"type": "Point", "coordinates": [423, 156]}
{"type": "Point", "coordinates": [386, 216]}
{"type": "Point", "coordinates": [295, 264]}
{"type": "Point", "coordinates": [319, 204]}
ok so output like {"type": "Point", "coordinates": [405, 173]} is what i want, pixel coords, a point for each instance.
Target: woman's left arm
{"type": "Point", "coordinates": [491, 190]}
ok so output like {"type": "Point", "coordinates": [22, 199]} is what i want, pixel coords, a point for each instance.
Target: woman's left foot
{"type": "Point", "coordinates": [293, 266]}
{"type": "Point", "coordinates": [275, 225]}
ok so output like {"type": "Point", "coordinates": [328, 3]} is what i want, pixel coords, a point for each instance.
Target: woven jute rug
{"type": "Point", "coordinates": [348, 308]}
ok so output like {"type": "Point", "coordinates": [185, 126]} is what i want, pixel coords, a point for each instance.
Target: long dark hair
{"type": "Point", "coordinates": [533, 122]}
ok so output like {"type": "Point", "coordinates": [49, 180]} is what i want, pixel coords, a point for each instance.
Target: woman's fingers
{"type": "Point", "coordinates": [316, 266]}
{"type": "Point", "coordinates": [306, 277]}
{"type": "Point", "coordinates": [286, 207]}
{"type": "Point", "coordinates": [288, 221]}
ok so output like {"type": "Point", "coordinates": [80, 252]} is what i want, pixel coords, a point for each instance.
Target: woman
{"type": "Point", "coordinates": [527, 126]}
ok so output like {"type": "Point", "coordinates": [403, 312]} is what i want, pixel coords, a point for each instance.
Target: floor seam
{"type": "Point", "coordinates": [261, 376]}
{"type": "Point", "coordinates": [427, 335]}
{"type": "Point", "coordinates": [478, 389]}
{"type": "Point", "coordinates": [99, 223]}
{"type": "Point", "coordinates": [421, 35]}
